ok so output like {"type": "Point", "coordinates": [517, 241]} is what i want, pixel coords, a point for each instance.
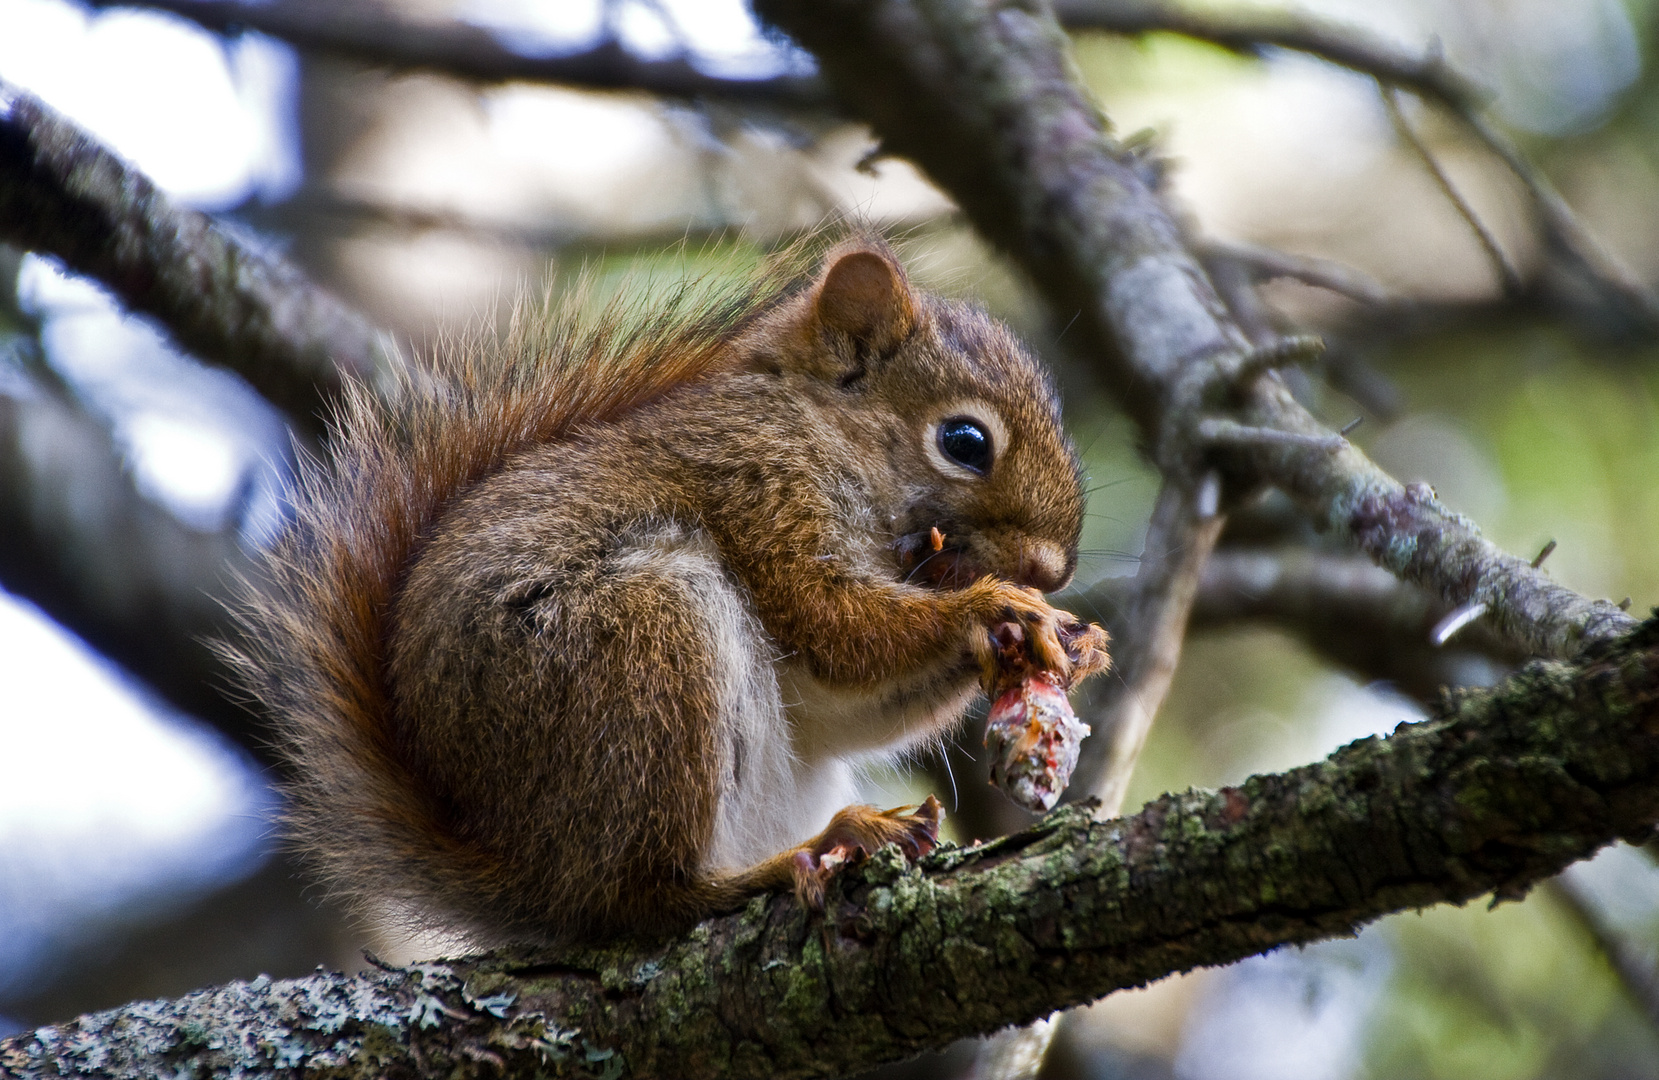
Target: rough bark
{"type": "Point", "coordinates": [1496, 791]}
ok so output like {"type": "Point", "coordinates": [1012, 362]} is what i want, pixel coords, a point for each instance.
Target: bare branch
{"type": "Point", "coordinates": [985, 99]}
{"type": "Point", "coordinates": [1268, 264]}
{"type": "Point", "coordinates": [1236, 270]}
{"type": "Point", "coordinates": [1566, 237]}
{"type": "Point", "coordinates": [1500, 790]}
{"type": "Point", "coordinates": [1350, 611]}
{"type": "Point", "coordinates": [63, 194]}
{"type": "Point", "coordinates": [1508, 277]}
{"type": "Point", "coordinates": [1251, 31]}
{"type": "Point", "coordinates": [1427, 75]}
{"type": "Point", "coordinates": [374, 34]}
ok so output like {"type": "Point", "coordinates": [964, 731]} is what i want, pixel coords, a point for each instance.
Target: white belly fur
{"type": "Point", "coordinates": [789, 743]}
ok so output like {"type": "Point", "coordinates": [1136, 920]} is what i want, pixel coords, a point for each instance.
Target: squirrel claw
{"type": "Point", "coordinates": [1085, 645]}
{"type": "Point", "coordinates": [855, 833]}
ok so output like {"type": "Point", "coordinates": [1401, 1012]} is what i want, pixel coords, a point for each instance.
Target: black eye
{"type": "Point", "coordinates": [967, 443]}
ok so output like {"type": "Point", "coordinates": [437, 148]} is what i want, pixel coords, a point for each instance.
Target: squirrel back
{"type": "Point", "coordinates": [313, 630]}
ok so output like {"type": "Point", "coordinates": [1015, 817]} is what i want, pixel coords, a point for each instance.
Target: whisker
{"type": "Point", "coordinates": [1105, 484]}
{"type": "Point", "coordinates": [915, 569]}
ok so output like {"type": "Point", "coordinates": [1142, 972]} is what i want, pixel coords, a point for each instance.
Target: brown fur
{"type": "Point", "coordinates": [565, 614]}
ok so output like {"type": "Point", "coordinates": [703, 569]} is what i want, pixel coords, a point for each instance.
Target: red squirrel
{"type": "Point", "coordinates": [585, 632]}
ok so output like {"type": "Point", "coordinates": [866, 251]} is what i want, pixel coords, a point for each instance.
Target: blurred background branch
{"type": "Point", "coordinates": [381, 36]}
{"type": "Point", "coordinates": [128, 577]}
{"type": "Point", "coordinates": [64, 194]}
{"type": "Point", "coordinates": [1148, 626]}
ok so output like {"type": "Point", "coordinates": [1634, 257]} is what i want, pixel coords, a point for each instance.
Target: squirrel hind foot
{"type": "Point", "coordinates": [856, 832]}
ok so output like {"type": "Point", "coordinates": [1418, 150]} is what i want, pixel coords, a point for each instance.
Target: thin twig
{"type": "Point", "coordinates": [1236, 270]}
{"type": "Point", "coordinates": [1147, 645]}
{"type": "Point", "coordinates": [1298, 351]}
{"type": "Point", "coordinates": [1251, 31]}
{"type": "Point", "coordinates": [1268, 264]}
{"type": "Point", "coordinates": [1235, 281]}
{"type": "Point", "coordinates": [1218, 431]}
{"type": "Point", "coordinates": [1564, 233]}
{"type": "Point", "coordinates": [1509, 278]}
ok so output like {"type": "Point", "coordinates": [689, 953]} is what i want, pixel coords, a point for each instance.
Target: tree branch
{"type": "Point", "coordinates": [984, 98]}
{"type": "Point", "coordinates": [372, 34]}
{"type": "Point", "coordinates": [1349, 611]}
{"type": "Point", "coordinates": [63, 194]}
{"type": "Point", "coordinates": [1509, 278]}
{"type": "Point", "coordinates": [1267, 264]}
{"type": "Point", "coordinates": [1499, 790]}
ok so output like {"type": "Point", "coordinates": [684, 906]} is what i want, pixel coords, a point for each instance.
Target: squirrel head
{"type": "Point", "coordinates": [963, 450]}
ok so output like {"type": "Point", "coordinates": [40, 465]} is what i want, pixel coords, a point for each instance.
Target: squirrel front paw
{"type": "Point", "coordinates": [1018, 618]}
{"type": "Point", "coordinates": [854, 833]}
{"type": "Point", "coordinates": [1023, 635]}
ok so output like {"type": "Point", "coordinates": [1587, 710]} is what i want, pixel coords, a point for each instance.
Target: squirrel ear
{"type": "Point", "coordinates": [863, 294]}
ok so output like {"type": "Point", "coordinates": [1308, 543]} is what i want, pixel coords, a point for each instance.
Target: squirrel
{"type": "Point", "coordinates": [584, 633]}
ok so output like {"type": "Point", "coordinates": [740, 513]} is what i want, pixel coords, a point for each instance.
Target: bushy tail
{"type": "Point", "coordinates": [314, 624]}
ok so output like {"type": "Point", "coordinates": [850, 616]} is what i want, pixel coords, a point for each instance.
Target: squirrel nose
{"type": "Point", "coordinates": [1042, 566]}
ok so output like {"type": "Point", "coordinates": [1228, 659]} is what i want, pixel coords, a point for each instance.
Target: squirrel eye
{"type": "Point", "coordinates": [967, 443]}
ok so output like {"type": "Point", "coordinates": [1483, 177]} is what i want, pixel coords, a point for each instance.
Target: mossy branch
{"type": "Point", "coordinates": [1496, 791]}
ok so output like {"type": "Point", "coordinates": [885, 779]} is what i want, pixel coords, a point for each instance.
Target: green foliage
{"type": "Point", "coordinates": [1573, 431]}
{"type": "Point", "coordinates": [1512, 993]}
